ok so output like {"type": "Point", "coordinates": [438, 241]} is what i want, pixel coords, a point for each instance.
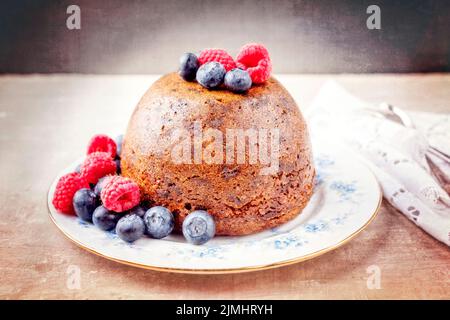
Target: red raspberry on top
{"type": "Point", "coordinates": [218, 55]}
{"type": "Point", "coordinates": [97, 165]}
{"type": "Point", "coordinates": [120, 194]}
{"type": "Point", "coordinates": [102, 143]}
{"type": "Point", "coordinates": [255, 58]}
{"type": "Point", "coordinates": [65, 189]}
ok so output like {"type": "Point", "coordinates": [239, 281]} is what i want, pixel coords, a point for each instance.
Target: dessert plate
{"type": "Point", "coordinates": [346, 199]}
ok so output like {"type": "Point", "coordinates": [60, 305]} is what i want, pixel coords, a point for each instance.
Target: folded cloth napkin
{"type": "Point", "coordinates": [396, 154]}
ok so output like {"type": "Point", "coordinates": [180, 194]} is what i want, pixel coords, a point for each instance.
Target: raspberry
{"type": "Point", "coordinates": [120, 194]}
{"type": "Point", "coordinates": [97, 165]}
{"type": "Point", "coordinates": [102, 143]}
{"type": "Point", "coordinates": [65, 189]}
{"type": "Point", "coordinates": [255, 58]}
{"type": "Point", "coordinates": [218, 55]}
{"type": "Point", "coordinates": [261, 72]}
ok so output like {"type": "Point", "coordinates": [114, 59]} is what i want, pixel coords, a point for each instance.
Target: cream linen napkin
{"type": "Point", "coordinates": [395, 154]}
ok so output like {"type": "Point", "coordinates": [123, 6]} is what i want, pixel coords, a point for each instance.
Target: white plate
{"type": "Point", "coordinates": [346, 199]}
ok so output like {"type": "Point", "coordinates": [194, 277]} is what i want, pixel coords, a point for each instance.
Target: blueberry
{"type": "Point", "coordinates": [138, 210]}
{"type": "Point", "coordinates": [105, 219]}
{"type": "Point", "coordinates": [199, 227]}
{"type": "Point", "coordinates": [119, 140]}
{"type": "Point", "coordinates": [84, 202]}
{"type": "Point", "coordinates": [100, 184]}
{"type": "Point", "coordinates": [210, 75]}
{"type": "Point", "coordinates": [159, 222]}
{"type": "Point", "coordinates": [238, 80]}
{"type": "Point", "coordinates": [118, 167]}
{"type": "Point", "coordinates": [188, 66]}
{"type": "Point", "coordinates": [130, 227]}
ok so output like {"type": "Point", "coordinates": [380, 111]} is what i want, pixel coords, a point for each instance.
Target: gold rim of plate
{"type": "Point", "coordinates": [229, 270]}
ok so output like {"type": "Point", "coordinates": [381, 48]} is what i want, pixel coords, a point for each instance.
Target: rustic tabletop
{"type": "Point", "coordinates": [45, 122]}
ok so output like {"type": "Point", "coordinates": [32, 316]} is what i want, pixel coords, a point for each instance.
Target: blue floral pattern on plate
{"type": "Point", "coordinates": [346, 197]}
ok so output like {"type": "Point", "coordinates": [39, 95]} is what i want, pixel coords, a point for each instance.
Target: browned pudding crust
{"type": "Point", "coordinates": [240, 198]}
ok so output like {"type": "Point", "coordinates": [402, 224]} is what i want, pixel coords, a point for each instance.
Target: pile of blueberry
{"type": "Point", "coordinates": [212, 74]}
{"type": "Point", "coordinates": [137, 218]}
{"type": "Point", "coordinates": [156, 222]}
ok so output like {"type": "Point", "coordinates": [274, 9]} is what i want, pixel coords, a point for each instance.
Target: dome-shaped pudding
{"type": "Point", "coordinates": [245, 158]}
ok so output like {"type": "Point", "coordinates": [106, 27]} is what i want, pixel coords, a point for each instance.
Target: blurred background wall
{"type": "Point", "coordinates": [303, 36]}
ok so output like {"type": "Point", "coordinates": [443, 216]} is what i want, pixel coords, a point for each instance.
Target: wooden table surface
{"type": "Point", "coordinates": [45, 122]}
